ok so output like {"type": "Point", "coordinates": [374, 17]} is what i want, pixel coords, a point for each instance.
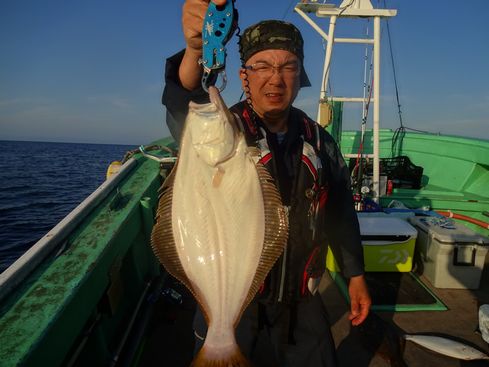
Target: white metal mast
{"type": "Point", "coordinates": [351, 9]}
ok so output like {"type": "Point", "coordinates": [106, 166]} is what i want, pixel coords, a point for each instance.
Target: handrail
{"type": "Point", "coordinates": [23, 266]}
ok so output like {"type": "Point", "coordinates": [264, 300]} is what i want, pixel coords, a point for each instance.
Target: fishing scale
{"type": "Point", "coordinates": [219, 24]}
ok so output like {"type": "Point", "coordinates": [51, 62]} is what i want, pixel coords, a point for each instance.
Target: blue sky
{"type": "Point", "coordinates": [92, 70]}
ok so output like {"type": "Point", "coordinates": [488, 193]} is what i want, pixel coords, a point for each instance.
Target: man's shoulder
{"type": "Point", "coordinates": [324, 135]}
{"type": "Point", "coordinates": [238, 107]}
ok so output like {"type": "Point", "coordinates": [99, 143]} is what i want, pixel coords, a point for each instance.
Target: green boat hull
{"type": "Point", "coordinates": [455, 171]}
{"type": "Point", "coordinates": [81, 303]}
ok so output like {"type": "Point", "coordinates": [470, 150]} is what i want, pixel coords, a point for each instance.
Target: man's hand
{"type": "Point", "coordinates": [359, 300]}
{"type": "Point", "coordinates": [193, 14]}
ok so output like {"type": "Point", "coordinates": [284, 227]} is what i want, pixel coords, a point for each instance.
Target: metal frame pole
{"type": "Point", "coordinates": [376, 117]}
{"type": "Point", "coordinates": [327, 59]}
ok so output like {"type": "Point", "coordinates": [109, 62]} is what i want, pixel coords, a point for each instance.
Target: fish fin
{"type": "Point", "coordinates": [206, 358]}
{"type": "Point", "coordinates": [276, 232]}
{"type": "Point", "coordinates": [163, 242]}
{"type": "Point", "coordinates": [168, 182]}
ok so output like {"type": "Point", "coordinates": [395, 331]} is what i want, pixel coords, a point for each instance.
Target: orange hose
{"type": "Point", "coordinates": [466, 218]}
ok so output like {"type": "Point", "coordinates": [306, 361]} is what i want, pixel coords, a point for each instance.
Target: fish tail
{"type": "Point", "coordinates": [232, 357]}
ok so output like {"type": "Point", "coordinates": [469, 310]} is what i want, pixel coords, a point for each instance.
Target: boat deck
{"type": "Point", "coordinates": [460, 321]}
{"type": "Point", "coordinates": [170, 338]}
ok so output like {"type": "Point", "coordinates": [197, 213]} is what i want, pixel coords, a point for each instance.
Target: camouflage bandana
{"type": "Point", "coordinates": [274, 35]}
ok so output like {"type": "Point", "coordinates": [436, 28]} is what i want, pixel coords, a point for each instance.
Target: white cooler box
{"type": "Point", "coordinates": [453, 255]}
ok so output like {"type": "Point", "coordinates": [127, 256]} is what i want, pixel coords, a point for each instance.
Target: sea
{"type": "Point", "coordinates": [40, 183]}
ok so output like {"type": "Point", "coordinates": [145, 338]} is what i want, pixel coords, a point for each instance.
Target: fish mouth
{"type": "Point", "coordinates": [216, 100]}
{"type": "Point", "coordinates": [214, 136]}
{"type": "Point", "coordinates": [214, 95]}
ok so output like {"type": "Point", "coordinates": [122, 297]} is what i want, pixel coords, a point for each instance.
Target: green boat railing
{"type": "Point", "coordinates": [89, 276]}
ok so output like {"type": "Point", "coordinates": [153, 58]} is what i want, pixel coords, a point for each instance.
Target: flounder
{"type": "Point", "coordinates": [220, 225]}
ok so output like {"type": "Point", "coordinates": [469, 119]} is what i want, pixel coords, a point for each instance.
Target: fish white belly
{"type": "Point", "coordinates": [219, 231]}
{"type": "Point", "coordinates": [220, 225]}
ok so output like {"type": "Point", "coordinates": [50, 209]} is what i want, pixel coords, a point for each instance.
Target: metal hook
{"type": "Point", "coordinates": [206, 76]}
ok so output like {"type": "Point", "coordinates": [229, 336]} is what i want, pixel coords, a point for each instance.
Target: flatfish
{"type": "Point", "coordinates": [220, 225]}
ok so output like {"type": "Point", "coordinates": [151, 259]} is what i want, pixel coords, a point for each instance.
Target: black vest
{"type": "Point", "coordinates": [297, 167]}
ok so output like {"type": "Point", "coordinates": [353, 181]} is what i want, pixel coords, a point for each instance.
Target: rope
{"type": "Point", "coordinates": [422, 131]}
{"type": "Point", "coordinates": [400, 132]}
{"type": "Point", "coordinates": [129, 154]}
{"type": "Point", "coordinates": [398, 137]}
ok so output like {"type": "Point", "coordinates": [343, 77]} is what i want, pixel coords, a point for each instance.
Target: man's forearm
{"type": "Point", "coordinates": [190, 72]}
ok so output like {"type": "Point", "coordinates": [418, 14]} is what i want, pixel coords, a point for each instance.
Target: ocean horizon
{"type": "Point", "coordinates": [65, 142]}
{"type": "Point", "coordinates": [42, 182]}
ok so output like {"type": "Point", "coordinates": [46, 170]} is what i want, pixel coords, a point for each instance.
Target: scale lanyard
{"type": "Point", "coordinates": [219, 25]}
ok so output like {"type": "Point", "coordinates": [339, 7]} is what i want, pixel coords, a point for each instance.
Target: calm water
{"type": "Point", "coordinates": [40, 183]}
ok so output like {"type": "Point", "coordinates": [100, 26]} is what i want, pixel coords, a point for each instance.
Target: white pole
{"type": "Point", "coordinates": [327, 59]}
{"type": "Point", "coordinates": [311, 23]}
{"type": "Point", "coordinates": [376, 117]}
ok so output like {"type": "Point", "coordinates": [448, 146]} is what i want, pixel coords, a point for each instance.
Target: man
{"type": "Point", "coordinates": [310, 174]}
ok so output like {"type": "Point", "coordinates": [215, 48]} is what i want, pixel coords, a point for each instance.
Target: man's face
{"type": "Point", "coordinates": [272, 91]}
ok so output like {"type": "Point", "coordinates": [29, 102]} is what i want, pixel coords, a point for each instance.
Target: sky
{"type": "Point", "coordinates": [92, 70]}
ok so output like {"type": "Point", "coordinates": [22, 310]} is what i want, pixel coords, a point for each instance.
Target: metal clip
{"type": "Point", "coordinates": [206, 83]}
